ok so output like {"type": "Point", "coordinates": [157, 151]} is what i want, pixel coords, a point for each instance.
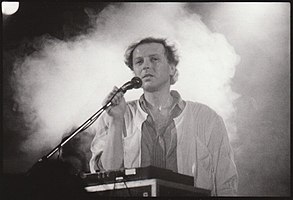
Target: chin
{"type": "Point", "coordinates": [149, 87]}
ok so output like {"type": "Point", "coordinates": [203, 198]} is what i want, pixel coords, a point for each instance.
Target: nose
{"type": "Point", "coordinates": [146, 64]}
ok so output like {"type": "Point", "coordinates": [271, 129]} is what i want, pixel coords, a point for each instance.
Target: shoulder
{"type": "Point", "coordinates": [200, 109]}
{"type": "Point", "coordinates": [207, 120]}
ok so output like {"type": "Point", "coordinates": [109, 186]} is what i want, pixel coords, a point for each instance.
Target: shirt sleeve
{"type": "Point", "coordinates": [224, 168]}
{"type": "Point", "coordinates": [98, 144]}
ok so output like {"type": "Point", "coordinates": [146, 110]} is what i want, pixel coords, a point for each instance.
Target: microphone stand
{"type": "Point", "coordinates": [81, 128]}
{"type": "Point", "coordinates": [134, 83]}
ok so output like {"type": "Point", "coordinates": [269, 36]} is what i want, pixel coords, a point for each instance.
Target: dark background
{"type": "Point", "coordinates": [263, 109]}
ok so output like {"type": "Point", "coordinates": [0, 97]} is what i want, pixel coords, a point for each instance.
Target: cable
{"type": "Point", "coordinates": [113, 190]}
{"type": "Point", "coordinates": [128, 189]}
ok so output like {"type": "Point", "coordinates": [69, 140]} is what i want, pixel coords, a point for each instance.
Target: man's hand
{"type": "Point", "coordinates": [118, 108]}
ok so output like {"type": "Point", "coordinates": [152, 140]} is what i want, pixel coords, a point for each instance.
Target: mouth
{"type": "Point", "coordinates": [147, 76]}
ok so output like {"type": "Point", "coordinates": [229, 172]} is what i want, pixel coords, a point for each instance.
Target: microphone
{"type": "Point", "coordinates": [134, 83]}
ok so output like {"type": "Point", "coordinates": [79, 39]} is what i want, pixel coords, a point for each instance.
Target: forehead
{"type": "Point", "coordinates": [148, 49]}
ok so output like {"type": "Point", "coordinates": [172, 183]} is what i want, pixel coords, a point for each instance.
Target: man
{"type": "Point", "coordinates": [161, 129]}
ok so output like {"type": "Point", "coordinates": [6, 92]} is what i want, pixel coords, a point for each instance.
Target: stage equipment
{"type": "Point", "coordinates": [144, 181]}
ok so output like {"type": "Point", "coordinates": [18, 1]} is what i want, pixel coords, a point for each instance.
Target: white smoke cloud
{"type": "Point", "coordinates": [64, 83]}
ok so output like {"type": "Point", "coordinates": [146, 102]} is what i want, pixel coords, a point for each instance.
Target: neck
{"type": "Point", "coordinates": [158, 98]}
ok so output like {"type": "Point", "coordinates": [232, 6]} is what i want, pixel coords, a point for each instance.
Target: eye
{"type": "Point", "coordinates": [138, 62]}
{"type": "Point", "coordinates": [155, 59]}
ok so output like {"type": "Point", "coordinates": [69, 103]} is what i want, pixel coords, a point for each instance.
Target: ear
{"type": "Point", "coordinates": [172, 69]}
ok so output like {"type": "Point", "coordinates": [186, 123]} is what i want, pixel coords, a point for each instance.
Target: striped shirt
{"type": "Point", "coordinates": [159, 136]}
{"type": "Point", "coordinates": [202, 145]}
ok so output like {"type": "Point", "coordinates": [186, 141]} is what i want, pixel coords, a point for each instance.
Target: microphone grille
{"type": "Point", "coordinates": [137, 82]}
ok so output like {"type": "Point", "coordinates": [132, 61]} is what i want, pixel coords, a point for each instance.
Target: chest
{"type": "Point", "coordinates": [159, 119]}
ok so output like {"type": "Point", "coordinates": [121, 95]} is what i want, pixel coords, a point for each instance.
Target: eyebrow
{"type": "Point", "coordinates": [148, 56]}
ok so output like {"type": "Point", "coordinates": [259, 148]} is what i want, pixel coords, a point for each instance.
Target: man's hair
{"type": "Point", "coordinates": [170, 53]}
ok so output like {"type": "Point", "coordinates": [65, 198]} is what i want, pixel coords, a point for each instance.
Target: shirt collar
{"type": "Point", "coordinates": [176, 96]}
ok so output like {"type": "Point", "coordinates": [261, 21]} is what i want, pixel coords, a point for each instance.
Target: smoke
{"type": "Point", "coordinates": [63, 83]}
{"type": "Point", "coordinates": [261, 34]}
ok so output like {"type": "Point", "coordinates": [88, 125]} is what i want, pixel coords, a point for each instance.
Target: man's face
{"type": "Point", "coordinates": [151, 65]}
